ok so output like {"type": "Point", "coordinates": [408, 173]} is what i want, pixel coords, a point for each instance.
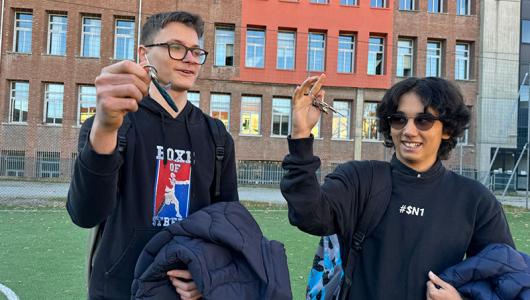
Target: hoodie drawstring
{"type": "Point", "coordinates": [164, 144]}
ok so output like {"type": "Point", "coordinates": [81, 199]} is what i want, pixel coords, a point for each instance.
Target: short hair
{"type": "Point", "coordinates": [157, 22]}
{"type": "Point", "coordinates": [439, 94]}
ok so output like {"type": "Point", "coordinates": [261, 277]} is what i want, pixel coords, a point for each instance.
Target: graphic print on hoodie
{"type": "Point", "coordinates": [172, 186]}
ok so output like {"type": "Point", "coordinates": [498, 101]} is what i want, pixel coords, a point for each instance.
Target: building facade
{"type": "Point", "coordinates": [51, 52]}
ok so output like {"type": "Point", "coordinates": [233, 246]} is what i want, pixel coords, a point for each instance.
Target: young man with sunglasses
{"type": "Point", "coordinates": [169, 154]}
{"type": "Point", "coordinates": [435, 217]}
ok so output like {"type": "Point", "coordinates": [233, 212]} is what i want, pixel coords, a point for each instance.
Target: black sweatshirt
{"type": "Point", "coordinates": [433, 220]}
{"type": "Point", "coordinates": [165, 174]}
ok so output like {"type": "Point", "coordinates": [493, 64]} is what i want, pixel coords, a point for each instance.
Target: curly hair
{"type": "Point", "coordinates": [439, 94]}
{"type": "Point", "coordinates": [157, 22]}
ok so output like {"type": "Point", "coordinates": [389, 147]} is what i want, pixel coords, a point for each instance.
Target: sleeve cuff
{"type": "Point", "coordinates": [104, 164]}
{"type": "Point", "coordinates": [301, 148]}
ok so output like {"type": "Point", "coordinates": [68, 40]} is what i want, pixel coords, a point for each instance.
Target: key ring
{"type": "Point", "coordinates": [153, 73]}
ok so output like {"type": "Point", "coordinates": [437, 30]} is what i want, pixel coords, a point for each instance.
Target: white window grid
{"type": "Point", "coordinates": [250, 110]}
{"type": "Point", "coordinates": [12, 163]}
{"type": "Point", "coordinates": [378, 3]}
{"type": "Point", "coordinates": [436, 6]}
{"type": "Point", "coordinates": [18, 103]}
{"type": "Point", "coordinates": [462, 61]}
{"type": "Point", "coordinates": [86, 103]}
{"type": "Point", "coordinates": [316, 55]}
{"type": "Point", "coordinates": [220, 105]}
{"type": "Point", "coordinates": [463, 7]}
{"type": "Point", "coordinates": [286, 50]}
{"type": "Point", "coordinates": [22, 32]}
{"type": "Point", "coordinates": [91, 37]}
{"type": "Point", "coordinates": [319, 1]}
{"type": "Point", "coordinates": [53, 103]}
{"type": "Point", "coordinates": [346, 55]}
{"type": "Point", "coordinates": [341, 123]}
{"type": "Point", "coordinates": [407, 4]}
{"type": "Point", "coordinates": [405, 59]}
{"type": "Point", "coordinates": [376, 56]}
{"type": "Point", "coordinates": [224, 46]}
{"type": "Point", "coordinates": [48, 164]}
{"type": "Point", "coordinates": [124, 39]}
{"type": "Point", "coordinates": [255, 52]}
{"type": "Point", "coordinates": [281, 115]}
{"type": "Point", "coordinates": [194, 98]}
{"type": "Point", "coordinates": [434, 59]}
{"type": "Point", "coordinates": [348, 2]}
{"type": "Point", "coordinates": [369, 130]}
{"type": "Point", "coordinates": [57, 29]}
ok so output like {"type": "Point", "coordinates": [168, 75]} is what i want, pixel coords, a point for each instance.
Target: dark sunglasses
{"type": "Point", "coordinates": [422, 121]}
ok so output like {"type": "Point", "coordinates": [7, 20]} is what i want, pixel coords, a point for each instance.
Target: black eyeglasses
{"type": "Point", "coordinates": [178, 51]}
{"type": "Point", "coordinates": [422, 121]}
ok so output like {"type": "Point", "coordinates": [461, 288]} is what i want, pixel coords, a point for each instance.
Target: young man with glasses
{"type": "Point", "coordinates": [166, 171]}
{"type": "Point", "coordinates": [434, 218]}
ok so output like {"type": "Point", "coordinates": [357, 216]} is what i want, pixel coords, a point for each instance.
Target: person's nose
{"type": "Point", "coordinates": [189, 58]}
{"type": "Point", "coordinates": [410, 128]}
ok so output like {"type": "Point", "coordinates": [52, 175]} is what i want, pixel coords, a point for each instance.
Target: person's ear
{"type": "Point", "coordinates": [142, 53]}
{"type": "Point", "coordinates": [445, 135]}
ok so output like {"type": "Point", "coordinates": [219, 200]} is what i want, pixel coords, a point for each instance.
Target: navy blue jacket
{"type": "Point", "coordinates": [497, 272]}
{"type": "Point", "coordinates": [226, 253]}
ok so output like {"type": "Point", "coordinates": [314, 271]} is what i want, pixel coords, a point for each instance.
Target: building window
{"type": "Point", "coordinates": [462, 62]}
{"type": "Point", "coordinates": [12, 163]}
{"type": "Point", "coordinates": [464, 139]}
{"type": "Point", "coordinates": [370, 122]}
{"type": "Point", "coordinates": [224, 46]}
{"type": "Point", "coordinates": [348, 2]}
{"type": "Point", "coordinates": [124, 39]}
{"type": "Point", "coordinates": [57, 28]}
{"type": "Point", "coordinates": [87, 102]}
{"type": "Point", "coordinates": [22, 36]}
{"type": "Point", "coordinates": [18, 103]}
{"type": "Point", "coordinates": [319, 1]}
{"type": "Point", "coordinates": [378, 3]}
{"type": "Point", "coordinates": [194, 98]}
{"type": "Point", "coordinates": [316, 130]}
{"type": "Point", "coordinates": [346, 57]}
{"type": "Point", "coordinates": [434, 59]}
{"type": "Point", "coordinates": [53, 103]}
{"type": "Point", "coordinates": [463, 7]}
{"type": "Point", "coordinates": [405, 58]}
{"type": "Point", "coordinates": [525, 31]}
{"type": "Point", "coordinates": [250, 115]}
{"type": "Point", "coordinates": [316, 54]}
{"type": "Point", "coordinates": [281, 116]}
{"type": "Point", "coordinates": [406, 4]}
{"type": "Point", "coordinates": [286, 50]}
{"type": "Point", "coordinates": [341, 124]}
{"type": "Point", "coordinates": [255, 52]}
{"type": "Point", "coordinates": [376, 54]}
{"type": "Point", "coordinates": [48, 164]}
{"type": "Point", "coordinates": [91, 37]}
{"type": "Point", "coordinates": [220, 108]}
{"type": "Point", "coordinates": [436, 6]}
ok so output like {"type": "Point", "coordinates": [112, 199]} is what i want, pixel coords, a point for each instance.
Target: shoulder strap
{"type": "Point", "coordinates": [217, 129]}
{"type": "Point", "coordinates": [375, 206]}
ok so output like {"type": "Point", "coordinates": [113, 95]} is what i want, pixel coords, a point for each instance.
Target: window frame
{"type": "Point", "coordinates": [217, 44]}
{"type": "Point", "coordinates": [17, 29]}
{"type": "Point", "coordinates": [372, 119]}
{"type": "Point", "coordinates": [378, 4]}
{"type": "Point", "coordinates": [353, 3]}
{"type": "Point", "coordinates": [48, 164]}
{"type": "Point", "coordinates": [285, 50]}
{"type": "Point", "coordinates": [282, 115]}
{"type": "Point", "coordinates": [226, 109]}
{"type": "Point", "coordinates": [255, 47]}
{"type": "Point", "coordinates": [346, 51]}
{"type": "Point", "coordinates": [467, 8]}
{"type": "Point", "coordinates": [347, 116]}
{"type": "Point", "coordinates": [81, 101]}
{"type": "Point", "coordinates": [51, 32]}
{"type": "Point", "coordinates": [404, 3]}
{"type": "Point", "coordinates": [257, 104]}
{"type": "Point", "coordinates": [13, 102]}
{"type": "Point", "coordinates": [319, 1]}
{"type": "Point", "coordinates": [127, 37]}
{"type": "Point", "coordinates": [439, 56]}
{"type": "Point", "coordinates": [371, 53]}
{"type": "Point", "coordinates": [195, 102]}
{"type": "Point", "coordinates": [91, 36]}
{"type": "Point", "coordinates": [410, 47]}
{"type": "Point", "coordinates": [47, 100]}
{"type": "Point", "coordinates": [466, 59]}
{"type": "Point", "coordinates": [431, 6]}
{"type": "Point", "coordinates": [311, 49]}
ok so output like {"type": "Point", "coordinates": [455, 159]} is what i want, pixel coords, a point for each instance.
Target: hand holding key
{"type": "Point", "coordinates": [305, 113]}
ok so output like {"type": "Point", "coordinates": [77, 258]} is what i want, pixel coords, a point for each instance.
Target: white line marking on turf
{"type": "Point", "coordinates": [8, 292]}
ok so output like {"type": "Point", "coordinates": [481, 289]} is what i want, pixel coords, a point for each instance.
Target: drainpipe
{"type": "Point", "coordinates": [139, 28]}
{"type": "Point", "coordinates": [1, 28]}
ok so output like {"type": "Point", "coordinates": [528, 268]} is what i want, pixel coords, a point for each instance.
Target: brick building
{"type": "Point", "coordinates": [52, 50]}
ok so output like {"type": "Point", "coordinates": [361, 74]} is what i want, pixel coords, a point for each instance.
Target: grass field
{"type": "Point", "coordinates": [42, 254]}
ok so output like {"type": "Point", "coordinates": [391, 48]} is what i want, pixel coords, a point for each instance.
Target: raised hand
{"type": "Point", "coordinates": [305, 115]}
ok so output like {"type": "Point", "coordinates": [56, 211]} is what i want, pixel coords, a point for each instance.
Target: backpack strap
{"type": "Point", "coordinates": [217, 129]}
{"type": "Point", "coordinates": [375, 206]}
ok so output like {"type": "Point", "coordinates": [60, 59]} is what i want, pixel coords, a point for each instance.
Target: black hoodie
{"type": "Point", "coordinates": [165, 174]}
